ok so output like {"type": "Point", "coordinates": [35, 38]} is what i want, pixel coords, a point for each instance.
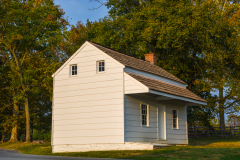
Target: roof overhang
{"type": "Point", "coordinates": [166, 96]}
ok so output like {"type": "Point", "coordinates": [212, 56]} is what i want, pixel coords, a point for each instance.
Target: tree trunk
{"type": "Point", "coordinates": [14, 134]}
{"type": "Point", "coordinates": [3, 137]}
{"type": "Point", "coordinates": [221, 109]}
{"type": "Point", "coordinates": [28, 129]}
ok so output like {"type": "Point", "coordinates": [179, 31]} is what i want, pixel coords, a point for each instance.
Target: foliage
{"type": "Point", "coordinates": [30, 36]}
{"type": "Point", "coordinates": [233, 120]}
{"type": "Point", "coordinates": [42, 135]}
{"type": "Point", "coordinates": [195, 40]}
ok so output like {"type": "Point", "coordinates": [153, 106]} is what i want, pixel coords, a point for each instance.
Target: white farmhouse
{"type": "Point", "coordinates": [106, 100]}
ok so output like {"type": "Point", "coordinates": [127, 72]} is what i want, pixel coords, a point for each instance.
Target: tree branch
{"type": "Point", "coordinates": [231, 104]}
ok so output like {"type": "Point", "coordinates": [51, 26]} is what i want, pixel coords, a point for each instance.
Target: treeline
{"type": "Point", "coordinates": [198, 41]}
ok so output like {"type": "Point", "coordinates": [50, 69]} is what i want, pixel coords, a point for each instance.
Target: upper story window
{"type": "Point", "coordinates": [100, 66]}
{"type": "Point", "coordinates": [175, 119]}
{"type": "Point", "coordinates": [73, 69]}
{"type": "Point", "coordinates": [145, 114]}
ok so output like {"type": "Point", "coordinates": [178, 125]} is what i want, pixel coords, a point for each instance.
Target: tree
{"type": "Point", "coordinates": [30, 33]}
{"type": "Point", "coordinates": [195, 40]}
{"type": "Point", "coordinates": [233, 120]}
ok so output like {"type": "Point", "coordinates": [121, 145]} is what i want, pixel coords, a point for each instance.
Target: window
{"type": "Point", "coordinates": [74, 70]}
{"type": "Point", "coordinates": [144, 114]}
{"type": "Point", "coordinates": [175, 119]}
{"type": "Point", "coordinates": [100, 66]}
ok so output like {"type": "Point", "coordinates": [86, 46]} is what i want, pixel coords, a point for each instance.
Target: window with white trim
{"type": "Point", "coordinates": [144, 114]}
{"type": "Point", "coordinates": [175, 119]}
{"type": "Point", "coordinates": [74, 70]}
{"type": "Point", "coordinates": [100, 66]}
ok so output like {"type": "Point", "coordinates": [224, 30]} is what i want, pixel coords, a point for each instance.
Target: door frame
{"type": "Point", "coordinates": [162, 122]}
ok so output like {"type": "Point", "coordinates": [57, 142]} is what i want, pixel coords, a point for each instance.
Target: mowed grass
{"type": "Point", "coordinates": [200, 148]}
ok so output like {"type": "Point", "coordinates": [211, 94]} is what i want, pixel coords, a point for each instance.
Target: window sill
{"type": "Point", "coordinates": [175, 128]}
{"type": "Point", "coordinates": [101, 72]}
{"type": "Point", "coordinates": [145, 126]}
{"type": "Point", "coordinates": [73, 76]}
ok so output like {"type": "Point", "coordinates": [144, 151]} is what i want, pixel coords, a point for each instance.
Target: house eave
{"type": "Point", "coordinates": [188, 101]}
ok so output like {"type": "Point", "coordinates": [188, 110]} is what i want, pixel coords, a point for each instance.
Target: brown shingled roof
{"type": "Point", "coordinates": [166, 87]}
{"type": "Point", "coordinates": [137, 63]}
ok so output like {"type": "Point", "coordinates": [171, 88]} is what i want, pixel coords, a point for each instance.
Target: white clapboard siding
{"type": "Point", "coordinates": [94, 126]}
{"type": "Point", "coordinates": [134, 132]}
{"type": "Point", "coordinates": [79, 109]}
{"type": "Point", "coordinates": [136, 112]}
{"type": "Point", "coordinates": [137, 118]}
{"type": "Point", "coordinates": [133, 86]}
{"type": "Point", "coordinates": [103, 102]}
{"type": "Point", "coordinates": [88, 140]}
{"type": "Point", "coordinates": [81, 121]}
{"type": "Point", "coordinates": [137, 106]}
{"type": "Point", "coordinates": [86, 86]}
{"type": "Point", "coordinates": [100, 77]}
{"type": "Point", "coordinates": [94, 97]}
{"type": "Point", "coordinates": [91, 91]}
{"type": "Point", "coordinates": [89, 115]}
{"type": "Point", "coordinates": [89, 68]}
{"type": "Point", "coordinates": [89, 133]}
{"type": "Point", "coordinates": [137, 123]}
{"type": "Point", "coordinates": [150, 129]}
{"type": "Point", "coordinates": [140, 134]}
{"type": "Point", "coordinates": [88, 107]}
{"type": "Point", "coordinates": [143, 139]}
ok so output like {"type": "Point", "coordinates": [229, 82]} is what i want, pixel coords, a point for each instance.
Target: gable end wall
{"type": "Point", "coordinates": [88, 108]}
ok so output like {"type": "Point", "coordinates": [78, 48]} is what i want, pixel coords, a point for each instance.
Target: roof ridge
{"type": "Point", "coordinates": [120, 52]}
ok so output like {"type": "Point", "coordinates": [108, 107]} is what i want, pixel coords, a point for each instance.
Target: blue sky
{"type": "Point", "coordinates": [79, 10]}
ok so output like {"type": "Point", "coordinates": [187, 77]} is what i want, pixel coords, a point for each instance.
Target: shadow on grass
{"type": "Point", "coordinates": [191, 153]}
{"type": "Point", "coordinates": [209, 140]}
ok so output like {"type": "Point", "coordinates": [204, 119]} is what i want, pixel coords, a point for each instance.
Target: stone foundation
{"type": "Point", "coordinates": [102, 147]}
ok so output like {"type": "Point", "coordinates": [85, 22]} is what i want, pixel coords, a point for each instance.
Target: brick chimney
{"type": "Point", "coordinates": [151, 57]}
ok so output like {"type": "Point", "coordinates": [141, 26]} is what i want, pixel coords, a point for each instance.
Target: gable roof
{"type": "Point", "coordinates": [166, 87]}
{"type": "Point", "coordinates": [137, 63]}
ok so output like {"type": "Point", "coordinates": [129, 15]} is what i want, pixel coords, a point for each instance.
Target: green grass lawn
{"type": "Point", "coordinates": [200, 148]}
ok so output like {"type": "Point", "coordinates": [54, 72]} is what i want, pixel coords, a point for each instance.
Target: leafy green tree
{"type": "Point", "coordinates": [30, 33]}
{"type": "Point", "coordinates": [195, 40]}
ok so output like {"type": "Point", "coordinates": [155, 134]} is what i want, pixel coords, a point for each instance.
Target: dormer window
{"type": "Point", "coordinates": [74, 70]}
{"type": "Point", "coordinates": [100, 66]}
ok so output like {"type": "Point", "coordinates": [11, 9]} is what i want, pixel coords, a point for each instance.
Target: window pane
{"type": "Point", "coordinates": [102, 63]}
{"type": "Point", "coordinates": [75, 72]}
{"type": "Point", "coordinates": [72, 67]}
{"type": "Point", "coordinates": [174, 125]}
{"type": "Point", "coordinates": [72, 72]}
{"type": "Point", "coordinates": [174, 112]}
{"type": "Point", "coordinates": [102, 68]}
{"type": "Point", "coordinates": [75, 67]}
